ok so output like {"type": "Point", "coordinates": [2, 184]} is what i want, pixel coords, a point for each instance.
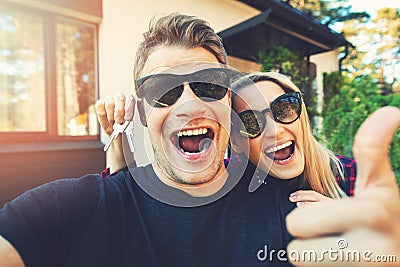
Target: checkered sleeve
{"type": "Point", "coordinates": [350, 173]}
{"type": "Point", "coordinates": [106, 172]}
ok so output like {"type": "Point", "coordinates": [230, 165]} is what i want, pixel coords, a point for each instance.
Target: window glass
{"type": "Point", "coordinates": [76, 78]}
{"type": "Point", "coordinates": [22, 75]}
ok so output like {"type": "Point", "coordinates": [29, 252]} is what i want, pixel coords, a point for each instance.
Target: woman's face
{"type": "Point", "coordinates": [286, 140]}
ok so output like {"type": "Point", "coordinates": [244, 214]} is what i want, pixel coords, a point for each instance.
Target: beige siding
{"type": "Point", "coordinates": [325, 62]}
{"type": "Point", "coordinates": [121, 30]}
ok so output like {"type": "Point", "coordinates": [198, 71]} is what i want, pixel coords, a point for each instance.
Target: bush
{"type": "Point", "coordinates": [349, 107]}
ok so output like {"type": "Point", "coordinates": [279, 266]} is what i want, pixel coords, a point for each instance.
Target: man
{"type": "Point", "coordinates": [115, 222]}
{"type": "Point", "coordinates": [120, 221]}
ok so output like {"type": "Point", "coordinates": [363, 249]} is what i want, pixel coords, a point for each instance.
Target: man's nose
{"type": "Point", "coordinates": [189, 104]}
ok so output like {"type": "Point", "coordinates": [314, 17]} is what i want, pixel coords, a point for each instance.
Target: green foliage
{"type": "Point", "coordinates": [349, 107]}
{"type": "Point", "coordinates": [302, 72]}
{"type": "Point", "coordinates": [333, 83]}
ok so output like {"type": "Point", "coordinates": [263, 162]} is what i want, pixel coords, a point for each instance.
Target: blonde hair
{"type": "Point", "coordinates": [321, 165]}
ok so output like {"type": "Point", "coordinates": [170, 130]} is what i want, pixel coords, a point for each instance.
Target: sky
{"type": "Point", "coordinates": [371, 6]}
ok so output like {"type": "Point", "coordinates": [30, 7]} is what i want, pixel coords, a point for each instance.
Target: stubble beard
{"type": "Point", "coordinates": [173, 173]}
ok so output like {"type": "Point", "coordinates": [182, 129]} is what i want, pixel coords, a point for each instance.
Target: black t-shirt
{"type": "Point", "coordinates": [93, 221]}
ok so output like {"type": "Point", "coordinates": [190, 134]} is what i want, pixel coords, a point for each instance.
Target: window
{"type": "Point", "coordinates": [48, 76]}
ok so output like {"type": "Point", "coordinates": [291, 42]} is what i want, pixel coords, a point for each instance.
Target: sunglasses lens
{"type": "Point", "coordinates": [207, 91]}
{"type": "Point", "coordinates": [167, 99]}
{"type": "Point", "coordinates": [160, 90]}
{"type": "Point", "coordinates": [253, 123]}
{"type": "Point", "coordinates": [287, 108]}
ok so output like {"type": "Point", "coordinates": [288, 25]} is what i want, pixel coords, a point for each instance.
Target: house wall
{"type": "Point", "coordinates": [325, 62]}
{"type": "Point", "coordinates": [123, 24]}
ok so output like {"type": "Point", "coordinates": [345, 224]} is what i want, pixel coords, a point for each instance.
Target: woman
{"type": "Point", "coordinates": [273, 132]}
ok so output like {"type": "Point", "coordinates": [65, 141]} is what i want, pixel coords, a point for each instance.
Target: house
{"type": "Point", "coordinates": [58, 56]}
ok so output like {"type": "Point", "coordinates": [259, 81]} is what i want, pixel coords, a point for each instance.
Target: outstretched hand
{"type": "Point", "coordinates": [363, 229]}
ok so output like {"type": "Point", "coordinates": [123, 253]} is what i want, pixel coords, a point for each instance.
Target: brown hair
{"type": "Point", "coordinates": [181, 31]}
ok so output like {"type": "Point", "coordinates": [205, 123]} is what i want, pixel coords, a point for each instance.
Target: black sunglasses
{"type": "Point", "coordinates": [284, 109]}
{"type": "Point", "coordinates": [164, 89]}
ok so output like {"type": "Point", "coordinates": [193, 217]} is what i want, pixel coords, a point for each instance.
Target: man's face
{"type": "Point", "coordinates": [190, 136]}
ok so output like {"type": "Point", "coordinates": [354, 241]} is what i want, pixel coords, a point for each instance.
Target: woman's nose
{"type": "Point", "coordinates": [272, 128]}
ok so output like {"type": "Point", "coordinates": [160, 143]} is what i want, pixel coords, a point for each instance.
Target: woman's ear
{"type": "Point", "coordinates": [235, 144]}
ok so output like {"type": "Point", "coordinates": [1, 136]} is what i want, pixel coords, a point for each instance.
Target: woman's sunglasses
{"type": "Point", "coordinates": [164, 89]}
{"type": "Point", "coordinates": [284, 109]}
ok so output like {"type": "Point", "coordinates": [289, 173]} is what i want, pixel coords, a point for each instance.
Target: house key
{"type": "Point", "coordinates": [118, 128]}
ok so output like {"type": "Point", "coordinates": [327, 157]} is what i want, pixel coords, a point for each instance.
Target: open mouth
{"type": "Point", "coordinates": [282, 152]}
{"type": "Point", "coordinates": [193, 141]}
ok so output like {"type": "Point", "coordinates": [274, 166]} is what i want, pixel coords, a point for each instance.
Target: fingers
{"type": "Point", "coordinates": [129, 107]}
{"type": "Point", "coordinates": [311, 252]}
{"type": "Point", "coordinates": [361, 247]}
{"type": "Point", "coordinates": [114, 109]}
{"type": "Point", "coordinates": [306, 197]}
{"type": "Point", "coordinates": [371, 149]}
{"type": "Point", "coordinates": [119, 108]}
{"type": "Point", "coordinates": [100, 108]}
{"type": "Point", "coordinates": [339, 216]}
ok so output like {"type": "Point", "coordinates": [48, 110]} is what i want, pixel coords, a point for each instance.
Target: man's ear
{"type": "Point", "coordinates": [142, 114]}
{"type": "Point", "coordinates": [230, 97]}
{"type": "Point", "coordinates": [235, 144]}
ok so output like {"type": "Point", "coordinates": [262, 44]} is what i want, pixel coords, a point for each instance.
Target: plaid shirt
{"type": "Point", "coordinates": [350, 172]}
{"type": "Point", "coordinates": [347, 184]}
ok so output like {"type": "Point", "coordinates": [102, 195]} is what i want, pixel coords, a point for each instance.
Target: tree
{"type": "Point", "coordinates": [328, 12]}
{"type": "Point", "coordinates": [378, 50]}
{"type": "Point", "coordinates": [299, 69]}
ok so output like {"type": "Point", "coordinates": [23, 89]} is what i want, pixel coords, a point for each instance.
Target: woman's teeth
{"type": "Point", "coordinates": [276, 148]}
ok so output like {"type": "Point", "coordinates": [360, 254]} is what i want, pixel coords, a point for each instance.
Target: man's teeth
{"type": "Point", "coordinates": [199, 131]}
{"type": "Point", "coordinates": [276, 148]}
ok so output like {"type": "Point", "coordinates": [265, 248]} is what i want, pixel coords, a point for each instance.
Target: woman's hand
{"type": "Point", "coordinates": [306, 197]}
{"type": "Point", "coordinates": [110, 110]}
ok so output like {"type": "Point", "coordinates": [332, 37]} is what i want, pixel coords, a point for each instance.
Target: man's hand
{"type": "Point", "coordinates": [110, 110]}
{"type": "Point", "coordinates": [367, 225]}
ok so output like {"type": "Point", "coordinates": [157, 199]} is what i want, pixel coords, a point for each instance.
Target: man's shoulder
{"type": "Point", "coordinates": [58, 194]}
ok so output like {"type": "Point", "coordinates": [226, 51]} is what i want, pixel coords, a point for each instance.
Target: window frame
{"type": "Point", "coordinates": [49, 20]}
